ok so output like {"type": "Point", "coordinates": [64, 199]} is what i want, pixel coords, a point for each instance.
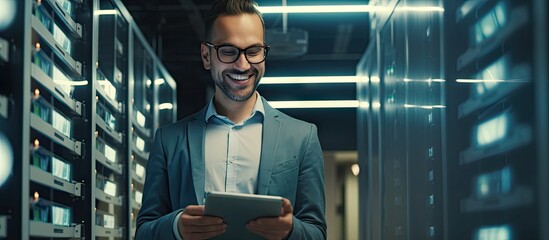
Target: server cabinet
{"type": "Point", "coordinates": [53, 149]}
{"type": "Point", "coordinates": [12, 69]}
{"type": "Point", "coordinates": [75, 140]}
{"type": "Point", "coordinates": [401, 116]}
{"type": "Point", "coordinates": [111, 114]}
{"type": "Point", "coordinates": [494, 186]}
{"type": "Point", "coordinates": [460, 129]}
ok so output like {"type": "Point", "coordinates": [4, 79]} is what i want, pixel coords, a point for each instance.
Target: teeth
{"type": "Point", "coordinates": [238, 76]}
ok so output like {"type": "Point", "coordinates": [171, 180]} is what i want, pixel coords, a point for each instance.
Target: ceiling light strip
{"type": "Point", "coordinates": [313, 80]}
{"type": "Point", "coordinates": [491, 80]}
{"type": "Point", "coordinates": [105, 12]}
{"type": "Point", "coordinates": [315, 104]}
{"type": "Point", "coordinates": [345, 9]}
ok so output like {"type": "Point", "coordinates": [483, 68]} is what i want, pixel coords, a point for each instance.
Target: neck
{"type": "Point", "coordinates": [236, 111]}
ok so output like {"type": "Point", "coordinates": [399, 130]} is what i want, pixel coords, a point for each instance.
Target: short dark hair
{"type": "Point", "coordinates": [230, 8]}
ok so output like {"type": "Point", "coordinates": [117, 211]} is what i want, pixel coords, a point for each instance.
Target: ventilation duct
{"type": "Point", "coordinates": [286, 44]}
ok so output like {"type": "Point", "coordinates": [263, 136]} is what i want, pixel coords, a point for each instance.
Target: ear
{"type": "Point", "coordinates": [205, 55]}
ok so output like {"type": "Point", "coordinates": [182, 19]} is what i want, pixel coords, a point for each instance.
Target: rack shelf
{"type": "Point", "coordinates": [140, 154]}
{"type": "Point", "coordinates": [108, 232]}
{"type": "Point", "coordinates": [468, 7]}
{"type": "Point", "coordinates": [111, 132]}
{"type": "Point", "coordinates": [102, 196]}
{"type": "Point", "coordinates": [473, 104]}
{"type": "Point", "coordinates": [46, 35]}
{"type": "Point", "coordinates": [48, 179]}
{"type": "Point", "coordinates": [48, 83]}
{"type": "Point", "coordinates": [137, 178]}
{"type": "Point", "coordinates": [135, 205]}
{"type": "Point", "coordinates": [521, 136]}
{"type": "Point", "coordinates": [75, 28]}
{"type": "Point", "coordinates": [41, 229]}
{"type": "Point", "coordinates": [518, 18]}
{"type": "Point", "coordinates": [118, 168]}
{"type": "Point", "coordinates": [141, 130]}
{"type": "Point", "coordinates": [113, 103]}
{"type": "Point", "coordinates": [520, 197]}
{"type": "Point", "coordinates": [45, 128]}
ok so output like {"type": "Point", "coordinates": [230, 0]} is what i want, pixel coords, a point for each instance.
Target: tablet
{"type": "Point", "coordinates": [237, 209]}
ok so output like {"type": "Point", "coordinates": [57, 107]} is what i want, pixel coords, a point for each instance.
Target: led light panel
{"type": "Point", "coordinates": [109, 88]}
{"type": "Point", "coordinates": [62, 39]}
{"type": "Point", "coordinates": [139, 170]}
{"type": "Point", "coordinates": [494, 233]}
{"type": "Point", "coordinates": [138, 196]}
{"type": "Point", "coordinates": [140, 119]}
{"type": "Point", "coordinates": [110, 188]}
{"type": "Point", "coordinates": [493, 76]}
{"type": "Point", "coordinates": [110, 153]}
{"type": "Point", "coordinates": [492, 130]}
{"type": "Point", "coordinates": [61, 124]}
{"type": "Point", "coordinates": [60, 216]}
{"type": "Point", "coordinates": [140, 143]}
{"type": "Point", "coordinates": [490, 24]}
{"type": "Point", "coordinates": [108, 221]}
{"type": "Point", "coordinates": [61, 169]}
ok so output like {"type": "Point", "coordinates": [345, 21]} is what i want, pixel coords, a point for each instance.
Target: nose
{"type": "Point", "coordinates": [242, 63]}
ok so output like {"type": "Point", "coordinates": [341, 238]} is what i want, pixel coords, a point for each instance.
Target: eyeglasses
{"type": "Point", "coordinates": [230, 53]}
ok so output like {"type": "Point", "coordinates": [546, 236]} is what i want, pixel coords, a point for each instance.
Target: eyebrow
{"type": "Point", "coordinates": [230, 44]}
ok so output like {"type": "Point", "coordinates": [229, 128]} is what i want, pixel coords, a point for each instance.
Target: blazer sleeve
{"type": "Point", "coordinates": [156, 217]}
{"type": "Point", "coordinates": [309, 218]}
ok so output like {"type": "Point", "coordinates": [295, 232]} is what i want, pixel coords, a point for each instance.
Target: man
{"type": "Point", "coordinates": [238, 143]}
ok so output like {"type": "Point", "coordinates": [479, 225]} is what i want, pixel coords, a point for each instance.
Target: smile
{"type": "Point", "coordinates": [238, 77]}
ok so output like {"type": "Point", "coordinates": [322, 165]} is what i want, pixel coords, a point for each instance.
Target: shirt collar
{"type": "Point", "coordinates": [258, 107]}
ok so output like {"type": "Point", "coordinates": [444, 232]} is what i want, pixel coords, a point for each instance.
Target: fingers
{"type": "Point", "coordinates": [274, 227]}
{"type": "Point", "coordinates": [286, 206]}
{"type": "Point", "coordinates": [196, 210]}
{"type": "Point", "coordinates": [193, 225]}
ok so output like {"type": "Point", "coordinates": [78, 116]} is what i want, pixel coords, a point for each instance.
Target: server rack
{"type": "Point", "coordinates": [77, 149]}
{"type": "Point", "coordinates": [453, 120]}
{"type": "Point", "coordinates": [112, 109]}
{"type": "Point", "coordinates": [494, 188]}
{"type": "Point", "coordinates": [11, 66]}
{"type": "Point", "coordinates": [400, 124]}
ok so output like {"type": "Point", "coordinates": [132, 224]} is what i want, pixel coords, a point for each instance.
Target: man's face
{"type": "Point", "coordinates": [239, 80]}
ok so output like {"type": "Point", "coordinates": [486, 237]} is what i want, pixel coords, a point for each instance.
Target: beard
{"type": "Point", "coordinates": [239, 93]}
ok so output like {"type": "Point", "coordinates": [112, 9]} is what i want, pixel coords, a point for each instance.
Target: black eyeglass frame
{"type": "Point", "coordinates": [266, 49]}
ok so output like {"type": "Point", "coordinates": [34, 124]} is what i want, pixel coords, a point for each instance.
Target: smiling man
{"type": "Point", "coordinates": [237, 143]}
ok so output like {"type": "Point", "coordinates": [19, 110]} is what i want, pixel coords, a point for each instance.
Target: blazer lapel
{"type": "Point", "coordinates": [271, 132]}
{"type": "Point", "coordinates": [197, 131]}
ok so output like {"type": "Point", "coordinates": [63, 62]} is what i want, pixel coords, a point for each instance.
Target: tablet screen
{"type": "Point", "coordinates": [237, 209]}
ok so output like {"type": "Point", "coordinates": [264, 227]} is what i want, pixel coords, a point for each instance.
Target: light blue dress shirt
{"type": "Point", "coordinates": [232, 152]}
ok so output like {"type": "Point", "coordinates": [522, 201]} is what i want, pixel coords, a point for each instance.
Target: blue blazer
{"type": "Point", "coordinates": [291, 166]}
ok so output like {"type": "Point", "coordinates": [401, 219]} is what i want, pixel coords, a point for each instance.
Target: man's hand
{"type": "Point", "coordinates": [274, 228]}
{"type": "Point", "coordinates": [194, 225]}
